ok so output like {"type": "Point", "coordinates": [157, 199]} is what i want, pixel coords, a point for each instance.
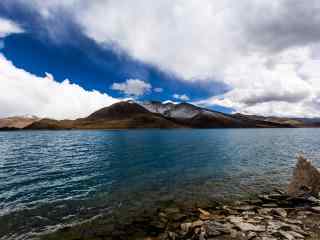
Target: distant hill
{"type": "Point", "coordinates": [19, 122]}
{"type": "Point", "coordinates": [117, 111]}
{"type": "Point", "coordinates": [154, 114]}
{"type": "Point", "coordinates": [122, 115]}
{"type": "Point", "coordinates": [197, 117]}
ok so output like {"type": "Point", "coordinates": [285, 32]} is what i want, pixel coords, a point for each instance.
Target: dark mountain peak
{"type": "Point", "coordinates": [120, 110]}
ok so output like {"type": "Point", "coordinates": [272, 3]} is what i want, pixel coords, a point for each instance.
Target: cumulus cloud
{"type": "Point", "coordinates": [266, 51]}
{"type": "Point", "coordinates": [182, 97]}
{"type": "Point", "coordinates": [23, 93]}
{"type": "Point", "coordinates": [8, 27]}
{"type": "Point", "coordinates": [290, 87]}
{"type": "Point", "coordinates": [132, 87]}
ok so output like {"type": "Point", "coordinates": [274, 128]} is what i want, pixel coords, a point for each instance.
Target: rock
{"type": "Point", "coordinates": [204, 217]}
{"type": "Point", "coordinates": [306, 179]}
{"type": "Point", "coordinates": [270, 205]}
{"type": "Point", "coordinates": [248, 214]}
{"type": "Point", "coordinates": [198, 223]}
{"type": "Point", "coordinates": [185, 227]}
{"type": "Point", "coordinates": [316, 209]}
{"type": "Point", "coordinates": [172, 235]}
{"type": "Point", "coordinates": [293, 221]}
{"type": "Point", "coordinates": [280, 212]}
{"type": "Point", "coordinates": [287, 235]}
{"type": "Point", "coordinates": [314, 200]}
{"type": "Point", "coordinates": [246, 227]}
{"type": "Point", "coordinates": [274, 226]}
{"type": "Point", "coordinates": [251, 235]}
{"type": "Point", "coordinates": [215, 229]}
{"type": "Point", "coordinates": [202, 235]}
{"type": "Point", "coordinates": [245, 208]}
{"type": "Point", "coordinates": [178, 217]}
{"type": "Point", "coordinates": [297, 235]}
{"type": "Point", "coordinates": [204, 212]}
{"type": "Point", "coordinates": [264, 211]}
{"type": "Point", "coordinates": [294, 228]}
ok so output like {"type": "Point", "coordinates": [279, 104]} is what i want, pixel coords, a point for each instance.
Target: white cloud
{"type": "Point", "coordinates": [182, 97]}
{"type": "Point", "coordinates": [158, 90]}
{"type": "Point", "coordinates": [266, 51]}
{"type": "Point", "coordinates": [132, 87]}
{"type": "Point", "coordinates": [23, 93]}
{"type": "Point", "coordinates": [8, 27]}
{"type": "Point", "coordinates": [289, 87]}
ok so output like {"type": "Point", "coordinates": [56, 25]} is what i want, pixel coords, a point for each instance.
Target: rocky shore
{"type": "Point", "coordinates": [292, 214]}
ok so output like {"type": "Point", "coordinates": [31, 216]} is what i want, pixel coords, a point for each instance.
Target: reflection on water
{"type": "Point", "coordinates": [48, 178]}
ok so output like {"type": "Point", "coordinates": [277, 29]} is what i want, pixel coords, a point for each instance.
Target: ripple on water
{"type": "Point", "coordinates": [88, 171]}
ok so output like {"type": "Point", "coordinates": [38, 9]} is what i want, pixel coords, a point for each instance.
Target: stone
{"type": "Point", "coordinates": [202, 235]}
{"type": "Point", "coordinates": [293, 221]}
{"type": "Point", "coordinates": [204, 212]}
{"type": "Point", "coordinates": [215, 229]}
{"type": "Point", "coordinates": [246, 227]}
{"type": "Point", "coordinates": [197, 223]}
{"type": "Point", "coordinates": [287, 235]}
{"type": "Point", "coordinates": [306, 179]}
{"type": "Point", "coordinates": [270, 205]}
{"type": "Point", "coordinates": [294, 228]}
{"type": "Point", "coordinates": [274, 226]}
{"type": "Point", "coordinates": [172, 235]}
{"type": "Point", "coordinates": [264, 211]}
{"type": "Point", "coordinates": [316, 209]}
{"type": "Point", "coordinates": [314, 200]}
{"type": "Point", "coordinates": [297, 235]}
{"type": "Point", "coordinates": [280, 212]}
{"type": "Point", "coordinates": [178, 217]}
{"type": "Point", "coordinates": [251, 235]}
{"type": "Point", "coordinates": [185, 227]}
{"type": "Point", "coordinates": [245, 208]}
{"type": "Point", "coordinates": [204, 217]}
{"type": "Point", "coordinates": [248, 213]}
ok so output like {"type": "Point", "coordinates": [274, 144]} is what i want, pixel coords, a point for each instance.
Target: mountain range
{"type": "Point", "coordinates": [154, 114]}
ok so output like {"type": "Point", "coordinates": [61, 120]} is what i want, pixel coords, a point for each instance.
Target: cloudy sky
{"type": "Point", "coordinates": [65, 59]}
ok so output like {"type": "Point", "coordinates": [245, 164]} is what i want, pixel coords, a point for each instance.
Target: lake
{"type": "Point", "coordinates": [49, 178]}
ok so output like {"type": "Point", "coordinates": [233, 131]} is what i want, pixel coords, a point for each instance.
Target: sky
{"type": "Point", "coordinates": [66, 59]}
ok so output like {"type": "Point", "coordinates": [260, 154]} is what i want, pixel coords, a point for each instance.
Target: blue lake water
{"type": "Point", "coordinates": [53, 177]}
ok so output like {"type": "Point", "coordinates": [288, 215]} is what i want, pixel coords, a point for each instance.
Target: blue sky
{"type": "Point", "coordinates": [92, 67]}
{"type": "Point", "coordinates": [85, 63]}
{"type": "Point", "coordinates": [79, 55]}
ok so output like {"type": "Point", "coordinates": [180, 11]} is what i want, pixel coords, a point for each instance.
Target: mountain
{"type": "Point", "coordinates": [153, 114]}
{"type": "Point", "coordinates": [19, 122]}
{"type": "Point", "coordinates": [122, 115]}
{"type": "Point", "coordinates": [197, 117]}
{"type": "Point", "coordinates": [117, 111]}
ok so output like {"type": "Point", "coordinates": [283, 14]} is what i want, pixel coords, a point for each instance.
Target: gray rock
{"type": "Point", "coordinates": [197, 223]}
{"type": "Point", "coordinates": [185, 227]}
{"type": "Point", "coordinates": [280, 212]}
{"type": "Point", "coordinates": [316, 209]}
{"type": "Point", "coordinates": [251, 235]}
{"type": "Point", "coordinates": [306, 179]}
{"type": "Point", "coordinates": [246, 227]}
{"type": "Point", "coordinates": [287, 235]}
{"type": "Point", "coordinates": [215, 229]}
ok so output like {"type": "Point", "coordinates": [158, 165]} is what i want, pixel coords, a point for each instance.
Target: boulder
{"type": "Point", "coordinates": [305, 180]}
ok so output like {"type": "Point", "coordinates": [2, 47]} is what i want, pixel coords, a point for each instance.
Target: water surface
{"type": "Point", "coordinates": [54, 177]}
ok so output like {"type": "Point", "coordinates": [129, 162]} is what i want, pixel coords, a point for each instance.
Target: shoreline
{"type": "Point", "coordinates": [265, 217]}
